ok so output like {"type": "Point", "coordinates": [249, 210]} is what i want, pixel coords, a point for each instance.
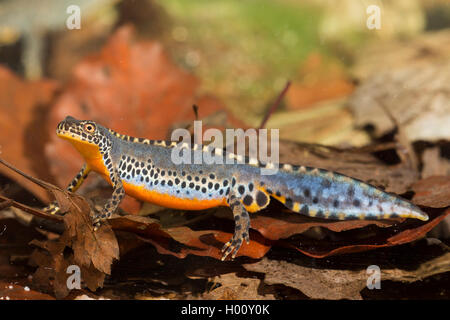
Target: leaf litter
{"type": "Point", "coordinates": [387, 165]}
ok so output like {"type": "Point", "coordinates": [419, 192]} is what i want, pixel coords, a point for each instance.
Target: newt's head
{"type": "Point", "coordinates": [86, 135]}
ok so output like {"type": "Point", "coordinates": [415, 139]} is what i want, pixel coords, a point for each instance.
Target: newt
{"type": "Point", "coordinates": [143, 169]}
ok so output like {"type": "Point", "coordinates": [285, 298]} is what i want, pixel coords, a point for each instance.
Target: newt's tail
{"type": "Point", "coordinates": [326, 194]}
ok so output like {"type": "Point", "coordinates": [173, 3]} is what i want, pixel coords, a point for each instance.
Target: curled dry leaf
{"type": "Point", "coordinates": [93, 252]}
{"type": "Point", "coordinates": [283, 223]}
{"type": "Point", "coordinates": [182, 240]}
{"type": "Point", "coordinates": [396, 236]}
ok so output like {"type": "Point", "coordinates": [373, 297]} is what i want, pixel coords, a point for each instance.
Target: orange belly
{"type": "Point", "coordinates": [169, 201]}
{"type": "Point", "coordinates": [161, 199]}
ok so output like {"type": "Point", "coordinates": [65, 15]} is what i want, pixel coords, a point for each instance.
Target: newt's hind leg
{"type": "Point", "coordinates": [241, 228]}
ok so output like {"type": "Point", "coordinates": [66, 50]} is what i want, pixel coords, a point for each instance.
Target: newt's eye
{"type": "Point", "coordinates": [89, 127]}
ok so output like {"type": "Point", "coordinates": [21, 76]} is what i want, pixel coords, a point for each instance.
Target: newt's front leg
{"type": "Point", "coordinates": [117, 195]}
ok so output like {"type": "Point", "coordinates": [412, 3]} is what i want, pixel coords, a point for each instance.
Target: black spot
{"type": "Point", "coordinates": [233, 182]}
{"type": "Point", "coordinates": [197, 178]}
{"type": "Point", "coordinates": [335, 203]}
{"type": "Point", "coordinates": [248, 200]}
{"type": "Point", "coordinates": [129, 168]}
{"type": "Point", "coordinates": [307, 193]}
{"type": "Point", "coordinates": [315, 200]}
{"type": "Point", "coordinates": [212, 176]}
{"type": "Point", "coordinates": [278, 194]}
{"type": "Point", "coordinates": [221, 191]}
{"type": "Point", "coordinates": [144, 172]}
{"type": "Point", "coordinates": [326, 183]}
{"type": "Point", "coordinates": [204, 180]}
{"type": "Point", "coordinates": [217, 186]}
{"type": "Point", "coordinates": [163, 182]}
{"type": "Point", "coordinates": [320, 214]}
{"type": "Point", "coordinates": [351, 191]}
{"type": "Point", "coordinates": [183, 185]}
{"type": "Point", "coordinates": [189, 178]}
{"type": "Point", "coordinates": [356, 203]}
{"type": "Point", "coordinates": [191, 185]}
{"type": "Point", "coordinates": [177, 181]}
{"type": "Point", "coordinates": [225, 183]}
{"type": "Point", "coordinates": [197, 187]}
{"type": "Point", "coordinates": [261, 199]}
{"type": "Point", "coordinates": [210, 185]}
{"type": "Point", "coordinates": [241, 189]}
{"type": "Point", "coordinates": [304, 210]}
{"type": "Point", "coordinates": [170, 183]}
{"type": "Point", "coordinates": [288, 203]}
{"type": "Point", "coordinates": [250, 187]}
{"type": "Point", "coordinates": [204, 190]}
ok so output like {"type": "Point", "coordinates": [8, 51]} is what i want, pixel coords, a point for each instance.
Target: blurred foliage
{"type": "Point", "coordinates": [244, 50]}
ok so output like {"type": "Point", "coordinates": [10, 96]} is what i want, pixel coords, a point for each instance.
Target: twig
{"type": "Point", "coordinates": [37, 181]}
{"type": "Point", "coordinates": [274, 106]}
{"type": "Point", "coordinates": [195, 108]}
{"type": "Point", "coordinates": [5, 204]}
{"type": "Point", "coordinates": [30, 210]}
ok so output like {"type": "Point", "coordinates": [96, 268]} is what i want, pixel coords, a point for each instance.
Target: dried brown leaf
{"type": "Point", "coordinates": [433, 192]}
{"type": "Point", "coordinates": [319, 283]}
